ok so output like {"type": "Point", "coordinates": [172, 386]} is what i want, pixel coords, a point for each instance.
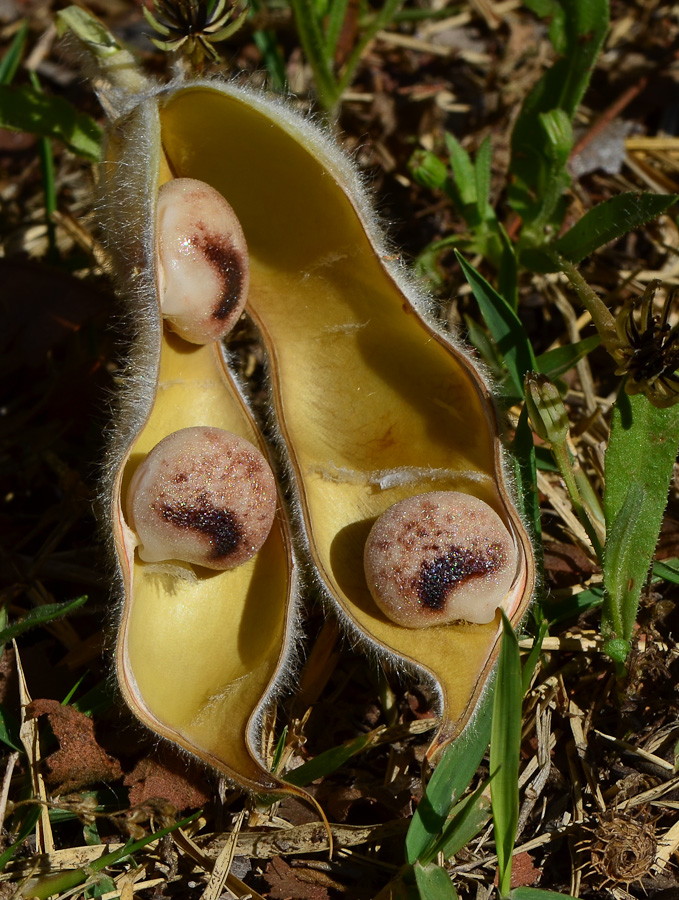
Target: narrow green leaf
{"type": "Point", "coordinates": [555, 362]}
{"type": "Point", "coordinates": [610, 220]}
{"type": "Point", "coordinates": [468, 818]}
{"type": "Point", "coordinates": [315, 50]}
{"type": "Point", "coordinates": [529, 893]}
{"type": "Point", "coordinates": [41, 615]}
{"type": "Point", "coordinates": [450, 780]}
{"type": "Point", "coordinates": [327, 762]}
{"type": "Point", "coordinates": [505, 745]}
{"type": "Point", "coordinates": [27, 109]}
{"type": "Point", "coordinates": [267, 43]}
{"type": "Point", "coordinates": [463, 170]}
{"type": "Point", "coordinates": [434, 883]}
{"type": "Point", "coordinates": [482, 171]}
{"type": "Point", "coordinates": [525, 473]}
{"type": "Point", "coordinates": [336, 14]}
{"type": "Point", "coordinates": [504, 325]}
{"type": "Point", "coordinates": [278, 752]}
{"type": "Point", "coordinates": [668, 569]}
{"type": "Point", "coordinates": [508, 273]}
{"type": "Point", "coordinates": [639, 464]}
{"type": "Point", "coordinates": [12, 59]}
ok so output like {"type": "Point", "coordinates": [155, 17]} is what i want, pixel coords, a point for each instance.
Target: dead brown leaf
{"type": "Point", "coordinates": [79, 761]}
{"type": "Point", "coordinates": [170, 778]}
{"type": "Point", "coordinates": [287, 883]}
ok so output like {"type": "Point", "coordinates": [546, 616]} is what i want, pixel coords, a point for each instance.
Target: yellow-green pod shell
{"type": "Point", "coordinates": [375, 403]}
{"type": "Point", "coordinates": [373, 400]}
{"type": "Point", "coordinates": [199, 651]}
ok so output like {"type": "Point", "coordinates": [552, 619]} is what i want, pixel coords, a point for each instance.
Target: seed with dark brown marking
{"type": "Point", "coordinates": [203, 496]}
{"type": "Point", "coordinates": [203, 268]}
{"type": "Point", "coordinates": [220, 525]}
{"type": "Point", "coordinates": [227, 263]}
{"type": "Point", "coordinates": [458, 562]}
{"type": "Point", "coordinates": [439, 576]}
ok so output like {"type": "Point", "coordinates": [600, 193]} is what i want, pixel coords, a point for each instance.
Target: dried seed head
{"type": "Point", "coordinates": [439, 557]}
{"type": "Point", "coordinates": [203, 496]}
{"type": "Point", "coordinates": [203, 269]}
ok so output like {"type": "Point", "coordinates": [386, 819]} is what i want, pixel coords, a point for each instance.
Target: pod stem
{"type": "Point", "coordinates": [115, 66]}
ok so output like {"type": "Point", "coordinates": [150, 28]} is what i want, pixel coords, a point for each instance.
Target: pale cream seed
{"type": "Point", "coordinates": [438, 558]}
{"type": "Point", "coordinates": [203, 496]}
{"type": "Point", "coordinates": [203, 268]}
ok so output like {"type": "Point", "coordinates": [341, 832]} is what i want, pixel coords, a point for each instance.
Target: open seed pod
{"type": "Point", "coordinates": [375, 403]}
{"type": "Point", "coordinates": [206, 634]}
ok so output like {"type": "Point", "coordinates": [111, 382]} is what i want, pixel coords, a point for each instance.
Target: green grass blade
{"type": "Point", "coordinates": [433, 883]}
{"type": "Point", "coordinates": [450, 780]}
{"type": "Point", "coordinates": [469, 817]}
{"type": "Point", "coordinates": [482, 179]}
{"type": "Point", "coordinates": [668, 570]}
{"type": "Point", "coordinates": [336, 15]}
{"type": "Point", "coordinates": [379, 20]}
{"type": "Point", "coordinates": [555, 362]}
{"type": "Point", "coordinates": [529, 893]}
{"type": "Point", "coordinates": [639, 464]}
{"type": "Point", "coordinates": [327, 762]}
{"type": "Point", "coordinates": [610, 220]}
{"type": "Point", "coordinates": [505, 745]}
{"type": "Point", "coordinates": [41, 615]}
{"type": "Point", "coordinates": [30, 110]}
{"type": "Point", "coordinates": [525, 474]}
{"type": "Point", "coordinates": [504, 325]}
{"type": "Point", "coordinates": [267, 44]}
{"type": "Point", "coordinates": [316, 52]}
{"type": "Point", "coordinates": [12, 59]}
{"type": "Point", "coordinates": [508, 273]}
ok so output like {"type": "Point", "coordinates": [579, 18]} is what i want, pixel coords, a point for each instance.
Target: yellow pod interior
{"type": "Point", "coordinates": [373, 403]}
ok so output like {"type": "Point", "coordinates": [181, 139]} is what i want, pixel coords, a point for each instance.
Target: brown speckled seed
{"type": "Point", "coordinates": [437, 558]}
{"type": "Point", "coordinates": [203, 269]}
{"type": "Point", "coordinates": [203, 496]}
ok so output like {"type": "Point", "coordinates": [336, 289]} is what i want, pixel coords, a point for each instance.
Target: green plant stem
{"type": "Point", "coordinates": [315, 50]}
{"type": "Point", "coordinates": [381, 20]}
{"type": "Point", "coordinates": [566, 468]}
{"type": "Point", "coordinates": [590, 498]}
{"type": "Point", "coordinates": [601, 315]}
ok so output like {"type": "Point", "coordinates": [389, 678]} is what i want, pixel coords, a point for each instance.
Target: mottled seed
{"type": "Point", "coordinates": [439, 557]}
{"type": "Point", "coordinates": [203, 269]}
{"type": "Point", "coordinates": [203, 496]}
